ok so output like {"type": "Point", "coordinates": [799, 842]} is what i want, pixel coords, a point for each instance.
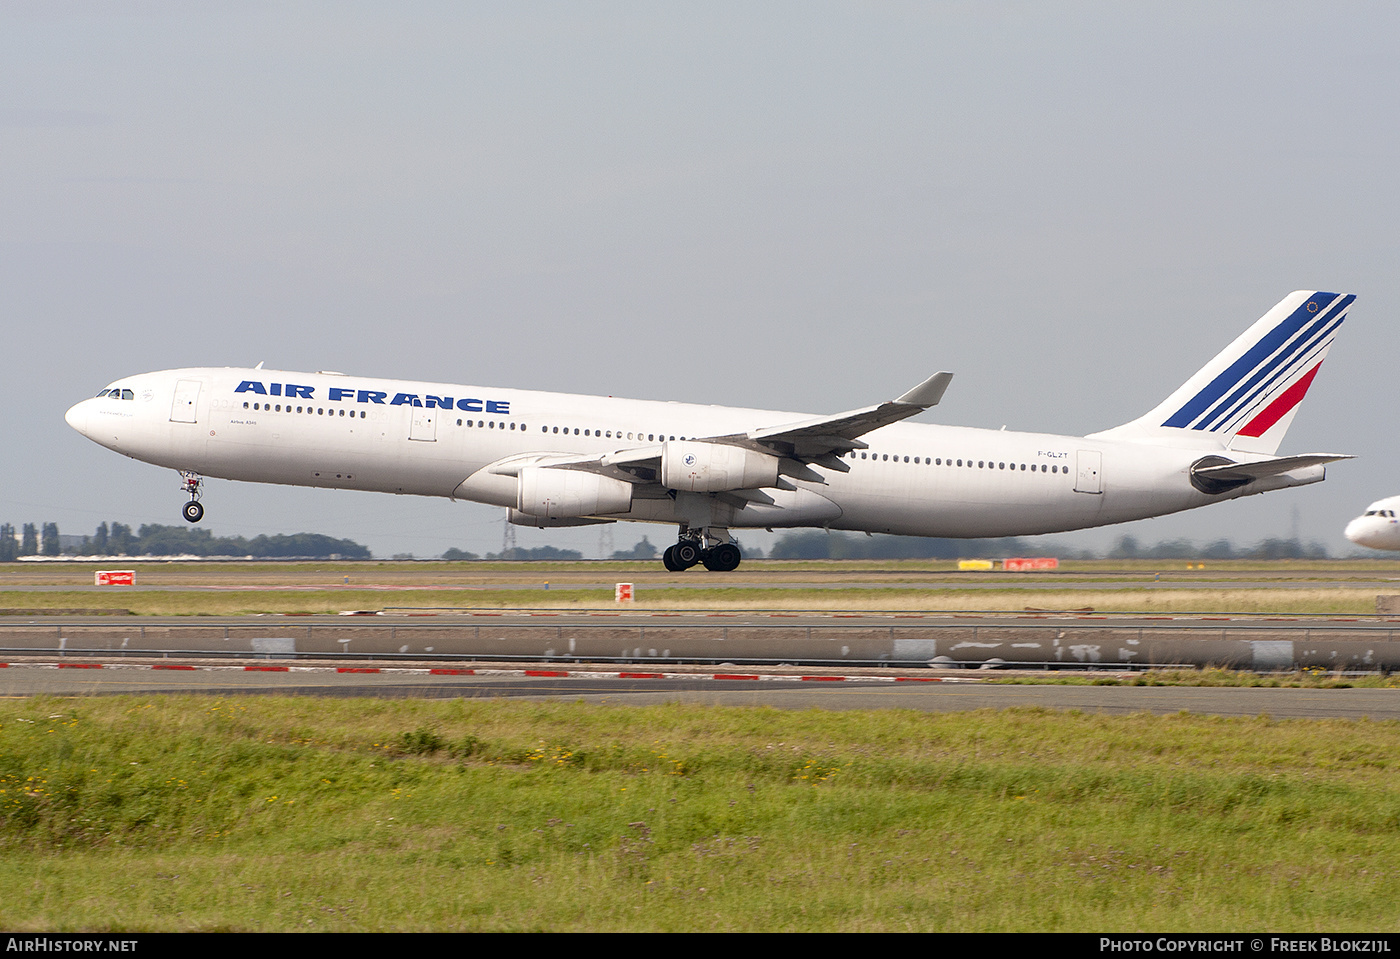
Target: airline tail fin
{"type": "Point", "coordinates": [1246, 397]}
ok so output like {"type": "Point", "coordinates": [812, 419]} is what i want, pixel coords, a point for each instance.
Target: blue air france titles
{"type": "Point", "coordinates": [337, 394]}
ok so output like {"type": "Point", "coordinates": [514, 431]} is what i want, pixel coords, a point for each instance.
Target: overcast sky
{"type": "Point", "coordinates": [807, 206]}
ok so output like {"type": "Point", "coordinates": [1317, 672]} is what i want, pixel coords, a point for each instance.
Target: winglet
{"type": "Point", "coordinates": [929, 392]}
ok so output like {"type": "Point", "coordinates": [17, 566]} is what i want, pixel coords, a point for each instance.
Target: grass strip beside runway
{"type": "Point", "coordinates": [151, 813]}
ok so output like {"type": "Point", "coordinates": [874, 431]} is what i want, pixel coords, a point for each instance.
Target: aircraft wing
{"type": "Point", "coordinates": [811, 439]}
{"type": "Point", "coordinates": [820, 441]}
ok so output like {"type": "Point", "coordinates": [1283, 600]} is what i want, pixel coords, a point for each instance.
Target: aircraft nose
{"type": "Point", "coordinates": [77, 417]}
{"type": "Point", "coordinates": [1358, 531]}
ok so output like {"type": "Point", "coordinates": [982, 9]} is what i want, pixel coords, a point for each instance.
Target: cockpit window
{"type": "Point", "coordinates": [117, 393]}
{"type": "Point", "coordinates": [104, 392]}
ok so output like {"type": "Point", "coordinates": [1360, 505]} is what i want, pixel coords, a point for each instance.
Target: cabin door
{"type": "Point", "coordinates": [424, 426]}
{"type": "Point", "coordinates": [182, 410]}
{"type": "Point", "coordinates": [1087, 478]}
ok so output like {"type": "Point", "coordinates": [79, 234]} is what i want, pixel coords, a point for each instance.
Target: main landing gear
{"type": "Point", "coordinates": [721, 557]}
{"type": "Point", "coordinates": [193, 511]}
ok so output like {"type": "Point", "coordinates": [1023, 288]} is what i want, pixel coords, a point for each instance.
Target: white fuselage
{"type": "Point", "coordinates": [432, 439]}
{"type": "Point", "coordinates": [1378, 527]}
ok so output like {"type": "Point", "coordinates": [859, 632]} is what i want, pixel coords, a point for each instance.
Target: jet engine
{"type": "Point", "coordinates": [715, 467]}
{"type": "Point", "coordinates": [559, 493]}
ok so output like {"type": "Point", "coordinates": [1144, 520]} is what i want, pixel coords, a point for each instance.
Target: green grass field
{"type": "Point", "coordinates": [1319, 587]}
{"type": "Point", "coordinates": [187, 813]}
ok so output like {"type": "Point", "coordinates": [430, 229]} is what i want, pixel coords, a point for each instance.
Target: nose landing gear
{"type": "Point", "coordinates": [193, 511]}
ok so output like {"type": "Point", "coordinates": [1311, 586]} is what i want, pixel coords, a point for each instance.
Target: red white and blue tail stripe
{"type": "Point", "coordinates": [1245, 398]}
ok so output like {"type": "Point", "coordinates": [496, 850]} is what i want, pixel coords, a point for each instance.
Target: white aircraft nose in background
{"type": "Point", "coordinates": [77, 416]}
{"type": "Point", "coordinates": [1379, 526]}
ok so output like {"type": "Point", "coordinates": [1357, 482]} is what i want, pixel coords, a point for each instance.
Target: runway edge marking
{"type": "Point", "coordinates": [524, 673]}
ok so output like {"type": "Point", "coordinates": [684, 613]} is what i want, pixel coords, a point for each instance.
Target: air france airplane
{"type": "Point", "coordinates": [1378, 527]}
{"type": "Point", "coordinates": [554, 459]}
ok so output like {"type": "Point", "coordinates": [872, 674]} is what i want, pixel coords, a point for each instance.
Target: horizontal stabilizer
{"type": "Point", "coordinates": [1253, 471]}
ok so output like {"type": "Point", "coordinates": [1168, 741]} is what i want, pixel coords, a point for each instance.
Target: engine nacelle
{"type": "Point", "coordinates": [715, 467]}
{"type": "Point", "coordinates": [563, 493]}
{"type": "Point", "coordinates": [518, 518]}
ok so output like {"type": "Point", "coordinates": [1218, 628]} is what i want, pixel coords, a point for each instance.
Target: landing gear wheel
{"type": "Point", "coordinates": [686, 553]}
{"type": "Point", "coordinates": [722, 558]}
{"type": "Point", "coordinates": [190, 484]}
{"type": "Point", "coordinates": [669, 561]}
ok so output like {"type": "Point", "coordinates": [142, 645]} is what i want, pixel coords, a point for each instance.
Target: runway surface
{"type": "Point", "coordinates": [1061, 639]}
{"type": "Point", "coordinates": [1372, 704]}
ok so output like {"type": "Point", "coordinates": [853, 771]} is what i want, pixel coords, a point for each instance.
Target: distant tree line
{"type": "Point", "coordinates": [642, 550]}
{"type": "Point", "coordinates": [30, 542]}
{"type": "Point", "coordinates": [118, 539]}
{"type": "Point", "coordinates": [516, 555]}
{"type": "Point", "coordinates": [1128, 547]}
{"type": "Point", "coordinates": [818, 544]}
